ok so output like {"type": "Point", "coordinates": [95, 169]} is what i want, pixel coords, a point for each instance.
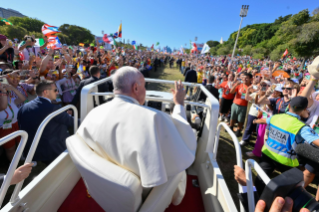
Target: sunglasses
{"type": "Point", "coordinates": [288, 89]}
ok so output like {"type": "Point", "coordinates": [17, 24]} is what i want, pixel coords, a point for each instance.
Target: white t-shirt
{"type": "Point", "coordinates": [313, 112]}
{"type": "Point", "coordinates": [253, 111]}
{"type": "Point", "coordinates": [7, 113]}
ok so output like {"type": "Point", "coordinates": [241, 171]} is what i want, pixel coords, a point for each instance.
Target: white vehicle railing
{"type": "Point", "coordinates": [250, 163]}
{"type": "Point", "coordinates": [91, 91]}
{"type": "Point", "coordinates": [15, 196]}
{"type": "Point", "coordinates": [14, 163]}
{"type": "Point", "coordinates": [239, 160]}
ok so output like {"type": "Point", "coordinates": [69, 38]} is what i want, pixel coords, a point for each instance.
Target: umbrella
{"type": "Point", "coordinates": [280, 73]}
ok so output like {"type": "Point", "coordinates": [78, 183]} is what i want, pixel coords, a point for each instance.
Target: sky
{"type": "Point", "coordinates": [173, 23]}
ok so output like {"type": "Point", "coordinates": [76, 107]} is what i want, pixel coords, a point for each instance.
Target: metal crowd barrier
{"type": "Point", "coordinates": [15, 198]}
{"type": "Point", "coordinates": [239, 161]}
{"type": "Point", "coordinates": [14, 163]}
{"type": "Point", "coordinates": [250, 163]}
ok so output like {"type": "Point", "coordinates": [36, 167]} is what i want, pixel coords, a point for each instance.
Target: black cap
{"type": "Point", "coordinates": [299, 103]}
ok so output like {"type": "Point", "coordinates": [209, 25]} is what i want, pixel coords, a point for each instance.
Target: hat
{"type": "Point", "coordinates": [63, 71]}
{"type": "Point", "coordinates": [313, 69]}
{"type": "Point", "coordinates": [299, 103]}
{"type": "Point", "coordinates": [278, 88]}
{"type": "Point", "coordinates": [101, 47]}
{"type": "Point", "coordinates": [92, 45]}
{"type": "Point", "coordinates": [3, 37]}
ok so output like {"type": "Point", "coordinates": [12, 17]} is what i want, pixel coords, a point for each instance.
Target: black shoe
{"type": "Point", "coordinates": [238, 133]}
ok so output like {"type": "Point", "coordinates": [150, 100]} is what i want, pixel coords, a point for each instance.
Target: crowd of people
{"type": "Point", "coordinates": [36, 81]}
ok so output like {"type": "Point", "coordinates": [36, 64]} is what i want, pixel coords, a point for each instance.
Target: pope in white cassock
{"type": "Point", "coordinates": [143, 140]}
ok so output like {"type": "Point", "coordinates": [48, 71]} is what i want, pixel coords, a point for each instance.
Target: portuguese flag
{"type": "Point", "coordinates": [6, 21]}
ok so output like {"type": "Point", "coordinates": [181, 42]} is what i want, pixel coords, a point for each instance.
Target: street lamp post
{"type": "Point", "coordinates": [243, 13]}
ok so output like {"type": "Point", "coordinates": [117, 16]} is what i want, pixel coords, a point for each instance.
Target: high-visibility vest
{"type": "Point", "coordinates": [281, 141]}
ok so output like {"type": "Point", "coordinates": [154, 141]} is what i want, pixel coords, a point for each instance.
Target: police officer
{"type": "Point", "coordinates": [285, 132]}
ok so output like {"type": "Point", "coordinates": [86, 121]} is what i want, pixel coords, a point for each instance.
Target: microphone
{"type": "Point", "coordinates": [308, 151]}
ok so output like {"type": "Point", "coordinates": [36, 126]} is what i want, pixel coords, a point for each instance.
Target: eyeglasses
{"type": "Point", "coordinates": [55, 90]}
{"type": "Point", "coordinates": [288, 89]}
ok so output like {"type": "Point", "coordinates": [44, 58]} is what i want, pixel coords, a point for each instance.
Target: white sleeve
{"type": "Point", "coordinates": [58, 85]}
{"type": "Point", "coordinates": [180, 110]}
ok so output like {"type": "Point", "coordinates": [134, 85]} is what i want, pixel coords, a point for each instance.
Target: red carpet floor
{"type": "Point", "coordinates": [80, 202]}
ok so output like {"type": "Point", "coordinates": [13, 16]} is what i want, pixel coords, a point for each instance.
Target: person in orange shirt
{"type": "Point", "coordinates": [227, 97]}
{"type": "Point", "coordinates": [239, 107]}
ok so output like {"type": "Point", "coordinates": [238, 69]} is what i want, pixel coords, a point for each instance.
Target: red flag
{"type": "Point", "coordinates": [194, 48]}
{"type": "Point", "coordinates": [285, 53]}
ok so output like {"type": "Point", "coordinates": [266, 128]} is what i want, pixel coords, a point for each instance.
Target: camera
{"type": "Point", "coordinates": [290, 184]}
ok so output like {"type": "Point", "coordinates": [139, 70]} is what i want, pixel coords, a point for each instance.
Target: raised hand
{"type": "Point", "coordinates": [178, 93]}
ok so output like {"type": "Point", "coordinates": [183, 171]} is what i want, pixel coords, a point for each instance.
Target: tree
{"type": "Point", "coordinates": [211, 43]}
{"type": "Point", "coordinates": [30, 24]}
{"type": "Point", "coordinates": [224, 50]}
{"type": "Point", "coordinates": [247, 50]}
{"type": "Point", "coordinates": [213, 50]}
{"type": "Point", "coordinates": [76, 34]}
{"type": "Point", "coordinates": [13, 32]}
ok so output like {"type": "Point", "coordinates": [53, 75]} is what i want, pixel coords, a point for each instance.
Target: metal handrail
{"type": "Point", "coordinates": [250, 163]}
{"type": "Point", "coordinates": [15, 198]}
{"type": "Point", "coordinates": [14, 163]}
{"type": "Point", "coordinates": [91, 90]}
{"type": "Point", "coordinates": [237, 149]}
{"type": "Point", "coordinates": [153, 99]}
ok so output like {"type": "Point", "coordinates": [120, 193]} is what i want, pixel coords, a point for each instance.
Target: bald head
{"type": "Point", "coordinates": [129, 81]}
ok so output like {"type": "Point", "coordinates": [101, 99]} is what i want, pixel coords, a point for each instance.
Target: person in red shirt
{"type": "Point", "coordinates": [227, 97]}
{"type": "Point", "coordinates": [239, 107]}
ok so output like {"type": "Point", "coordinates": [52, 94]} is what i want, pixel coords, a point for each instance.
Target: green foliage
{"type": "Point", "coordinates": [213, 50]}
{"type": "Point", "coordinates": [224, 50]}
{"type": "Point", "coordinates": [13, 31]}
{"type": "Point", "coordinates": [258, 56]}
{"type": "Point", "coordinates": [75, 34]}
{"type": "Point", "coordinates": [211, 43]}
{"type": "Point", "coordinates": [277, 53]}
{"type": "Point", "coordinates": [299, 33]}
{"type": "Point", "coordinates": [247, 50]}
{"type": "Point", "coordinates": [30, 24]}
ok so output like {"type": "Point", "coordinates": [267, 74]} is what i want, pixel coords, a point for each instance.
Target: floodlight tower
{"type": "Point", "coordinates": [243, 13]}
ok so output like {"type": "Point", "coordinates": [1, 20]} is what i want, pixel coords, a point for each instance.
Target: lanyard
{"type": "Point", "coordinates": [11, 112]}
{"type": "Point", "coordinates": [33, 49]}
{"type": "Point", "coordinates": [72, 84]}
{"type": "Point", "coordinates": [25, 92]}
{"type": "Point", "coordinates": [280, 105]}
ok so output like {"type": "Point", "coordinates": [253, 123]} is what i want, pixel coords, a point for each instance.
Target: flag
{"type": "Point", "coordinates": [205, 49]}
{"type": "Point", "coordinates": [109, 39]}
{"type": "Point", "coordinates": [157, 43]}
{"type": "Point", "coordinates": [54, 42]}
{"type": "Point", "coordinates": [135, 46]}
{"type": "Point", "coordinates": [81, 44]}
{"type": "Point", "coordinates": [123, 52]}
{"type": "Point", "coordinates": [194, 47]}
{"type": "Point", "coordinates": [39, 42]}
{"type": "Point", "coordinates": [6, 21]}
{"type": "Point", "coordinates": [152, 47]}
{"type": "Point", "coordinates": [181, 50]}
{"type": "Point", "coordinates": [115, 35]}
{"type": "Point", "coordinates": [133, 42]}
{"type": "Point", "coordinates": [49, 30]}
{"type": "Point", "coordinates": [285, 53]}
{"type": "Point", "coordinates": [120, 31]}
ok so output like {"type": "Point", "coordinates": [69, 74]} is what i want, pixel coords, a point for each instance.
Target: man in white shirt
{"type": "Point", "coordinates": [143, 140]}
